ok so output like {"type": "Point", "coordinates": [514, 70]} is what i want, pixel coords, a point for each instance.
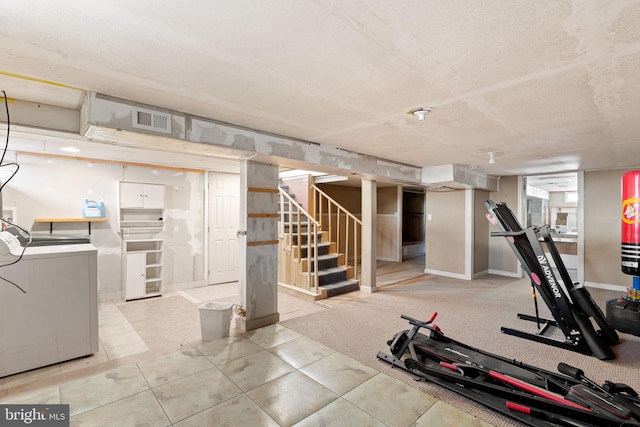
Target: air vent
{"type": "Point", "coordinates": [151, 120]}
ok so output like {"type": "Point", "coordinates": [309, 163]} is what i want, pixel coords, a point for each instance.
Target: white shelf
{"type": "Point", "coordinates": [144, 251]}
{"type": "Point", "coordinates": [124, 223]}
{"type": "Point", "coordinates": [142, 268]}
{"type": "Point", "coordinates": [140, 224]}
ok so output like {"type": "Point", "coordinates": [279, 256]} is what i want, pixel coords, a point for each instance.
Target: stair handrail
{"type": "Point", "coordinates": [318, 195]}
{"type": "Point", "coordinates": [312, 235]}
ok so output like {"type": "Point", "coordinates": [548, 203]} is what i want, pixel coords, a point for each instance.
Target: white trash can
{"type": "Point", "coordinates": [215, 320]}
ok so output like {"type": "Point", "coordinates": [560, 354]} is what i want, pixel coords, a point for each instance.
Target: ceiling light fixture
{"type": "Point", "coordinates": [421, 113]}
{"type": "Point", "coordinates": [492, 159]}
{"type": "Point", "coordinates": [70, 149]}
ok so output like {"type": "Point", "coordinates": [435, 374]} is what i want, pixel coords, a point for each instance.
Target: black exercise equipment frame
{"type": "Point", "coordinates": [424, 362]}
{"type": "Point", "coordinates": [572, 313]}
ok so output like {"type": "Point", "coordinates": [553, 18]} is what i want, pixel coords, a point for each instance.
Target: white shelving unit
{"type": "Point", "coordinates": [141, 211]}
{"type": "Point", "coordinates": [142, 272]}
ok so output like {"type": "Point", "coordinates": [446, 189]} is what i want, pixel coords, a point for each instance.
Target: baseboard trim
{"type": "Point", "coordinates": [446, 274]}
{"type": "Point", "coordinates": [606, 286]}
{"type": "Point", "coordinates": [504, 273]}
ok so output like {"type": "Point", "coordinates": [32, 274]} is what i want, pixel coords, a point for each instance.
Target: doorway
{"type": "Point", "coordinates": [413, 223]}
{"type": "Point", "coordinates": [224, 208]}
{"type": "Point", "coordinates": [553, 200]}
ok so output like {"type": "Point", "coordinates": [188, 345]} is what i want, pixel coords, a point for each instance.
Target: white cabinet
{"type": "Point", "coordinates": [142, 271]}
{"type": "Point", "coordinates": [141, 211]}
{"type": "Point", "coordinates": [141, 206]}
{"type": "Point", "coordinates": [138, 195]}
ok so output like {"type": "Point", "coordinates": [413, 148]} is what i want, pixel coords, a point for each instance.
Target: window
{"type": "Point", "coordinates": [571, 197]}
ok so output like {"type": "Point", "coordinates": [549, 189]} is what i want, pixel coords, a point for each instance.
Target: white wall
{"type": "Point", "coordinates": [501, 257]}
{"type": "Point", "coordinates": [54, 187]}
{"type": "Point", "coordinates": [602, 229]}
{"type": "Point", "coordinates": [557, 204]}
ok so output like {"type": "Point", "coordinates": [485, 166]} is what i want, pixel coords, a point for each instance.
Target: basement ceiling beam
{"type": "Point", "coordinates": [113, 120]}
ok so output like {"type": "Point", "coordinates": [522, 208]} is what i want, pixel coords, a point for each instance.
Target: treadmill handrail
{"type": "Point", "coordinates": [536, 229]}
{"type": "Point", "coordinates": [572, 317]}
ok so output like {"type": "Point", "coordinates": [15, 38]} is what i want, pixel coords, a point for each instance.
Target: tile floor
{"type": "Point", "coordinates": [153, 369]}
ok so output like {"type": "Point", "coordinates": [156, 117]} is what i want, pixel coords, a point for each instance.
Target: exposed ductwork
{"type": "Point", "coordinates": [112, 120]}
{"type": "Point", "coordinates": [452, 177]}
{"type": "Point", "coordinates": [118, 121]}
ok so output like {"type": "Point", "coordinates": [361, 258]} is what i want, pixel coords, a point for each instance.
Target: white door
{"type": "Point", "coordinates": [154, 196]}
{"type": "Point", "coordinates": [224, 206]}
{"type": "Point", "coordinates": [131, 195]}
{"type": "Point", "coordinates": [136, 275]}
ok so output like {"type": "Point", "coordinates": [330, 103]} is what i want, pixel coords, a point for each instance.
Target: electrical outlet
{"type": "Point", "coordinates": [125, 232]}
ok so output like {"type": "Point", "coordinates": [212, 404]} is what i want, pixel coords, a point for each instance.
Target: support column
{"type": "Point", "coordinates": [369, 228]}
{"type": "Point", "coordinates": [258, 245]}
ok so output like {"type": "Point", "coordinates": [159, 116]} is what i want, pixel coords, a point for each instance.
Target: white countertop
{"type": "Point", "coordinates": [53, 250]}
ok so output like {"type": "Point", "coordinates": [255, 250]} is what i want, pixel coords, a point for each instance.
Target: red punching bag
{"type": "Point", "coordinates": [631, 223]}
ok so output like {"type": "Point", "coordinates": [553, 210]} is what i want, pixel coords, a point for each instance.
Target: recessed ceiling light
{"type": "Point", "coordinates": [70, 149]}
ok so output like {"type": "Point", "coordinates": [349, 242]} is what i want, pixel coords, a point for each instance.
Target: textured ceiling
{"type": "Point", "coordinates": [548, 86]}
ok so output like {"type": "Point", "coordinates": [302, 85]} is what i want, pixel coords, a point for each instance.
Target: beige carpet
{"type": "Point", "coordinates": [468, 311]}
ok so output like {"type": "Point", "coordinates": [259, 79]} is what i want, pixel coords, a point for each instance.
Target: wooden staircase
{"type": "Point", "coordinates": [309, 261]}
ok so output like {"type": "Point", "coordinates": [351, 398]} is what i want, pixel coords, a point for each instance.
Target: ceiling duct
{"type": "Point", "coordinates": [101, 111]}
{"type": "Point", "coordinates": [126, 123]}
{"type": "Point", "coordinates": [457, 177]}
{"type": "Point", "coordinates": [155, 121]}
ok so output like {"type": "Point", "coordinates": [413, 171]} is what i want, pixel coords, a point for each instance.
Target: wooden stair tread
{"type": "Point", "coordinates": [319, 244]}
{"type": "Point", "coordinates": [331, 270]}
{"type": "Point", "coordinates": [340, 284]}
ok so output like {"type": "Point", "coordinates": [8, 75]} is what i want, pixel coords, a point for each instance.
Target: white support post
{"type": "Point", "coordinates": [369, 227]}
